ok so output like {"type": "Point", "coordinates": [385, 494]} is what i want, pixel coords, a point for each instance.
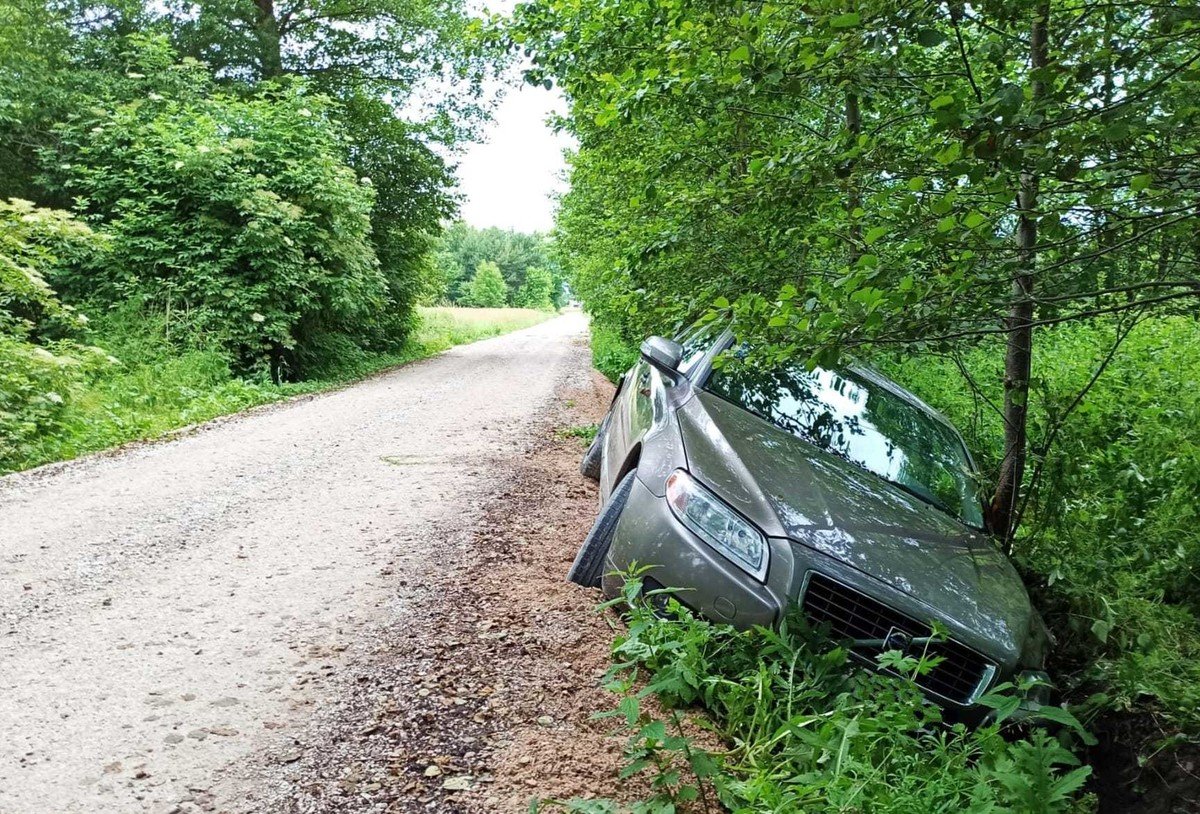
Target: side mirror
{"type": "Point", "coordinates": [662, 353]}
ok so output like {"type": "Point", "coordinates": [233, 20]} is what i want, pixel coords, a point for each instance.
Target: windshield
{"type": "Point", "coordinates": [860, 420]}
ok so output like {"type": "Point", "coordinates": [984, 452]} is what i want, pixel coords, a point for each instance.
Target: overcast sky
{"type": "Point", "coordinates": [510, 179]}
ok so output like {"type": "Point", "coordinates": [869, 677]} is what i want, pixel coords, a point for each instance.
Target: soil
{"type": "Point", "coordinates": [486, 701]}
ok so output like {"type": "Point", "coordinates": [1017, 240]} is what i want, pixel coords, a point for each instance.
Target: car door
{"type": "Point", "coordinates": [633, 412]}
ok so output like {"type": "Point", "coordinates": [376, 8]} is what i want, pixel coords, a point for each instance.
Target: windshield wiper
{"type": "Point", "coordinates": [924, 498]}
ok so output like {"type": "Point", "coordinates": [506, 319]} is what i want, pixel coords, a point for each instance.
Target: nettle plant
{"type": "Point", "coordinates": [804, 730]}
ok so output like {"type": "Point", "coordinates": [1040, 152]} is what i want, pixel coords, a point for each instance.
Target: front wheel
{"type": "Point", "coordinates": [588, 567]}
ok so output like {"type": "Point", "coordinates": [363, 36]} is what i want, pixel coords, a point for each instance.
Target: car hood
{"type": "Point", "coordinates": [792, 489]}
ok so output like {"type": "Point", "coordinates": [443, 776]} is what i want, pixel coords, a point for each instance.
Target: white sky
{"type": "Point", "coordinates": [509, 180]}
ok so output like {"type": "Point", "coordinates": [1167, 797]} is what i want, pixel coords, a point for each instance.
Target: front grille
{"type": "Point", "coordinates": [851, 614]}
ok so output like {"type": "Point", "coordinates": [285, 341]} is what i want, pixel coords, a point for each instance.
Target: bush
{"type": "Point", "coordinates": [1112, 534]}
{"type": "Point", "coordinates": [807, 731]}
{"type": "Point", "coordinates": [234, 217]}
{"type": "Point", "coordinates": [40, 361]}
{"type": "Point", "coordinates": [487, 288]}
{"type": "Point", "coordinates": [612, 354]}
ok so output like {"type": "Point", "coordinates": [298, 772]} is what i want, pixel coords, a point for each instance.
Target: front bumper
{"type": "Point", "coordinates": [648, 534]}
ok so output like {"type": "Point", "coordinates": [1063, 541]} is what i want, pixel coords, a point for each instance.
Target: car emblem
{"type": "Point", "coordinates": [897, 639]}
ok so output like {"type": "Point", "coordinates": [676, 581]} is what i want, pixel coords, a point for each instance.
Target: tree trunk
{"type": "Point", "coordinates": [1018, 357]}
{"type": "Point", "coordinates": [266, 25]}
{"type": "Point", "coordinates": [853, 196]}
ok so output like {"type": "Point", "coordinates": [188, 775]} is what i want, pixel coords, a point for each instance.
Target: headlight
{"type": "Point", "coordinates": [717, 524]}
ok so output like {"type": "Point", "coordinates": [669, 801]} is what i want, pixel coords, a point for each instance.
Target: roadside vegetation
{"type": "Point", "coordinates": [804, 730]}
{"type": "Point", "coordinates": [148, 386]}
{"type": "Point", "coordinates": [995, 204]}
{"type": "Point", "coordinates": [208, 207]}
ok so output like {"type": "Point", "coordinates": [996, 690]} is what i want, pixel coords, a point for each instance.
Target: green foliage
{"type": "Point", "coordinates": [486, 288]}
{"type": "Point", "coordinates": [806, 731]}
{"type": "Point", "coordinates": [586, 433]}
{"type": "Point", "coordinates": [1115, 526]}
{"type": "Point", "coordinates": [40, 360]}
{"type": "Point", "coordinates": [853, 177]}
{"type": "Point", "coordinates": [232, 216]}
{"type": "Point", "coordinates": [537, 291]}
{"type": "Point", "coordinates": [612, 355]}
{"type": "Point", "coordinates": [462, 248]}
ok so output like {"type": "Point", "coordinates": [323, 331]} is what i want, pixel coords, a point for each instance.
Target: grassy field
{"type": "Point", "coordinates": [156, 387]}
{"type": "Point", "coordinates": [444, 327]}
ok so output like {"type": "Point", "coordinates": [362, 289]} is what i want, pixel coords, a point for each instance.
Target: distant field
{"type": "Point", "coordinates": [444, 327]}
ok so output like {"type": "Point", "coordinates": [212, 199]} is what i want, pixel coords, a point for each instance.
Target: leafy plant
{"type": "Point", "coordinates": [41, 361]}
{"type": "Point", "coordinates": [486, 289]}
{"type": "Point", "coordinates": [233, 217]}
{"type": "Point", "coordinates": [805, 730]}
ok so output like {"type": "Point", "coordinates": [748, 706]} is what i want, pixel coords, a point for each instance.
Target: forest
{"type": "Point", "coordinates": [994, 202]}
{"type": "Point", "coordinates": [206, 206]}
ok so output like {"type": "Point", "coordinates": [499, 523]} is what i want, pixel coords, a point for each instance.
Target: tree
{"type": "Point", "coordinates": [513, 252]}
{"type": "Point", "coordinates": [486, 288]}
{"type": "Point", "coordinates": [882, 177]}
{"type": "Point", "coordinates": [538, 290]}
{"type": "Point", "coordinates": [232, 215]}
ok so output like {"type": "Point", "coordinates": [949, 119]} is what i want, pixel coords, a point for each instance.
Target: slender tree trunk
{"type": "Point", "coordinates": [266, 25]}
{"type": "Point", "coordinates": [853, 196]}
{"type": "Point", "coordinates": [1018, 358]}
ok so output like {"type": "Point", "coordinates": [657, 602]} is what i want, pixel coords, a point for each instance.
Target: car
{"type": "Point", "coordinates": [753, 490]}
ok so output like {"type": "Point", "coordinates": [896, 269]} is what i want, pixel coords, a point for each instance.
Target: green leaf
{"type": "Point", "coordinates": [848, 20]}
{"type": "Point", "coordinates": [930, 37]}
{"type": "Point", "coordinates": [949, 154]}
{"type": "Point", "coordinates": [874, 234]}
{"type": "Point", "coordinates": [740, 54]}
{"type": "Point", "coordinates": [1141, 182]}
{"type": "Point", "coordinates": [945, 100]}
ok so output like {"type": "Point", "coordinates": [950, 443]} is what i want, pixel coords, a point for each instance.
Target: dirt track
{"type": "Point", "coordinates": [307, 607]}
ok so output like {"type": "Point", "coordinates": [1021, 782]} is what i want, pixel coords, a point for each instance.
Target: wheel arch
{"type": "Point", "coordinates": [630, 463]}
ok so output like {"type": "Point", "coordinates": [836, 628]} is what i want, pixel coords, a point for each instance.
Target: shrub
{"type": "Point", "coordinates": [235, 217]}
{"type": "Point", "coordinates": [40, 361]}
{"type": "Point", "coordinates": [612, 354]}
{"type": "Point", "coordinates": [487, 288]}
{"type": "Point", "coordinates": [804, 730]}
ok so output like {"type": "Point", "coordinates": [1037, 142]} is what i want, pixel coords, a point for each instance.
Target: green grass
{"type": "Point", "coordinates": [586, 433]}
{"type": "Point", "coordinates": [157, 388]}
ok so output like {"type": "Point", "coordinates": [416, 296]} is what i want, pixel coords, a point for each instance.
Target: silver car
{"type": "Point", "coordinates": [754, 491]}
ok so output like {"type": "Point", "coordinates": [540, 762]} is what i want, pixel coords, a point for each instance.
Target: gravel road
{"type": "Point", "coordinates": [171, 612]}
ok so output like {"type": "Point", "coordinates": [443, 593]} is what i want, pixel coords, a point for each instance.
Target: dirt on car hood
{"type": "Point", "coordinates": [789, 488]}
